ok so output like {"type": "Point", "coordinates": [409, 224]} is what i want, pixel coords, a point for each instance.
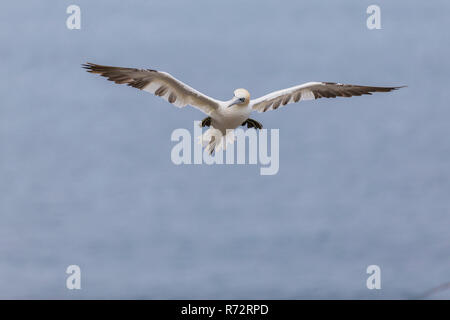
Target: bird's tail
{"type": "Point", "coordinates": [214, 140]}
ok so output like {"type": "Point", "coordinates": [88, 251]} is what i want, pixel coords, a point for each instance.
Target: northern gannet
{"type": "Point", "coordinates": [230, 114]}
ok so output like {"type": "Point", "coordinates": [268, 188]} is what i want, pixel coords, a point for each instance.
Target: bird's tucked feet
{"type": "Point", "coordinates": [252, 124]}
{"type": "Point", "coordinates": [206, 122]}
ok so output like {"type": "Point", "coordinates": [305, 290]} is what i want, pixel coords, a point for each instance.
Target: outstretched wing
{"type": "Point", "coordinates": [311, 91]}
{"type": "Point", "coordinates": [159, 83]}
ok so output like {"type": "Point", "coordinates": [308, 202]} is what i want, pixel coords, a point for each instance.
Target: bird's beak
{"type": "Point", "coordinates": [235, 101]}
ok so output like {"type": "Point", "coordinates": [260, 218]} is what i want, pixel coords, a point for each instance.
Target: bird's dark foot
{"type": "Point", "coordinates": [206, 122]}
{"type": "Point", "coordinates": [252, 124]}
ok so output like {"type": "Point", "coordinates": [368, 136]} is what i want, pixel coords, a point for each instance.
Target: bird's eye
{"type": "Point", "coordinates": [242, 99]}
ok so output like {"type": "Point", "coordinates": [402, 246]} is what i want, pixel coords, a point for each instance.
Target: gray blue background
{"type": "Point", "coordinates": [86, 176]}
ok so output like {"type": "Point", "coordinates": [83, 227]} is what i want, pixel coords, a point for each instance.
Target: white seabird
{"type": "Point", "coordinates": [230, 114]}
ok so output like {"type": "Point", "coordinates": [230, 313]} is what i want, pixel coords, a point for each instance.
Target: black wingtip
{"type": "Point", "coordinates": [87, 65]}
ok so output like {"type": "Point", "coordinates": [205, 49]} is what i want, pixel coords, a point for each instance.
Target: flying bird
{"type": "Point", "coordinates": [230, 114]}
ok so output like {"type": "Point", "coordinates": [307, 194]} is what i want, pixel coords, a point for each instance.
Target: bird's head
{"type": "Point", "coordinates": [241, 98]}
